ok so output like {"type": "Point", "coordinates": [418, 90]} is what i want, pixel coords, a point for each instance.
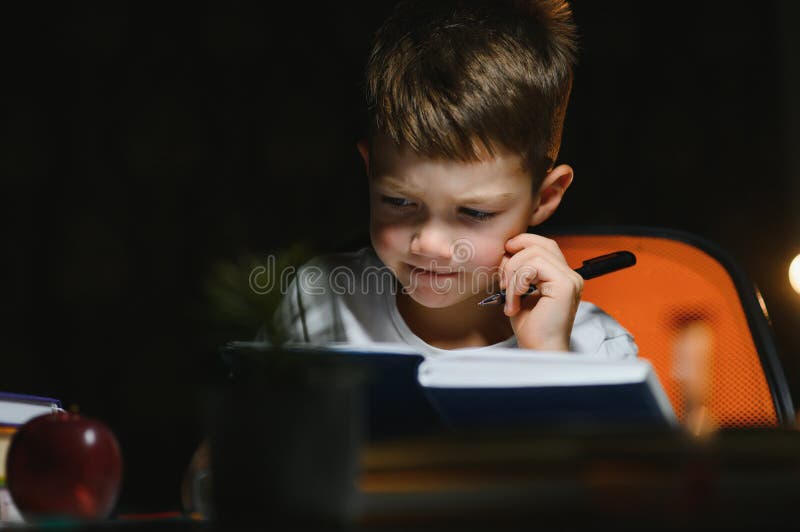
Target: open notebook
{"type": "Point", "coordinates": [408, 393]}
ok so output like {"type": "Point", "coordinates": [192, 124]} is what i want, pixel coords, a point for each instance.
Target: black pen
{"type": "Point", "coordinates": [591, 268]}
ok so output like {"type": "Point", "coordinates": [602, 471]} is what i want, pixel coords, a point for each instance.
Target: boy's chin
{"type": "Point", "coordinates": [435, 300]}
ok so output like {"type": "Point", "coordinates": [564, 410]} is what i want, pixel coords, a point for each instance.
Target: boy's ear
{"type": "Point", "coordinates": [552, 189]}
{"type": "Point", "coordinates": [363, 149]}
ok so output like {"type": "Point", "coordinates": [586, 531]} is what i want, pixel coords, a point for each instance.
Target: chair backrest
{"type": "Point", "coordinates": [683, 297]}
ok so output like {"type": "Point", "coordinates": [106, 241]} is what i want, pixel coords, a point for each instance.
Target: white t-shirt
{"type": "Point", "coordinates": [350, 298]}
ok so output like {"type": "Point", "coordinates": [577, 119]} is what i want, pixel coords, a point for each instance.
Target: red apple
{"type": "Point", "coordinates": [64, 465]}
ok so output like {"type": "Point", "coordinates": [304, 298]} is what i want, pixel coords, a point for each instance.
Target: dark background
{"type": "Point", "coordinates": [145, 150]}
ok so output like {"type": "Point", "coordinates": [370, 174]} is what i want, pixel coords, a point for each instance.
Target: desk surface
{"type": "Point", "coordinates": [740, 480]}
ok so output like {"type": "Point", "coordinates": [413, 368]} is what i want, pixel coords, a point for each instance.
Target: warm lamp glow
{"type": "Point", "coordinates": [794, 274]}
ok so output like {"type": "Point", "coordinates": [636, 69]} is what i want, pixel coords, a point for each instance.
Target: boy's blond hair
{"type": "Point", "coordinates": [450, 78]}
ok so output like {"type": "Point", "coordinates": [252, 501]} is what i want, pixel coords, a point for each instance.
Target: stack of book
{"type": "Point", "coordinates": [15, 411]}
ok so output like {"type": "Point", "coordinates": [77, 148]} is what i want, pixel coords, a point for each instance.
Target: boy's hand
{"type": "Point", "coordinates": [544, 319]}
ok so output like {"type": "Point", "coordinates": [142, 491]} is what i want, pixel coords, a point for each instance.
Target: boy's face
{"type": "Point", "coordinates": [441, 225]}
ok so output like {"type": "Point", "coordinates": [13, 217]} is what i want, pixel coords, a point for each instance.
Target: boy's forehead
{"type": "Point", "coordinates": [398, 163]}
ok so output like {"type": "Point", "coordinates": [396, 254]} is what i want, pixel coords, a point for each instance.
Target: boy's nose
{"type": "Point", "coordinates": [433, 242]}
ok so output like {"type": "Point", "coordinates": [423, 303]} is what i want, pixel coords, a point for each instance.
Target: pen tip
{"type": "Point", "coordinates": [489, 300]}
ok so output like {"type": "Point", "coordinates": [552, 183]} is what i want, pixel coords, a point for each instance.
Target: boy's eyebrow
{"type": "Point", "coordinates": [396, 185]}
{"type": "Point", "coordinates": [485, 198]}
{"type": "Point", "coordinates": [402, 188]}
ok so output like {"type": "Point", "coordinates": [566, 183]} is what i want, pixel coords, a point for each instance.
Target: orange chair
{"type": "Point", "coordinates": [695, 317]}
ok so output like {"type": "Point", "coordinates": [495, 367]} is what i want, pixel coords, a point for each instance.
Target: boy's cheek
{"type": "Point", "coordinates": [387, 239]}
{"type": "Point", "coordinates": [488, 252]}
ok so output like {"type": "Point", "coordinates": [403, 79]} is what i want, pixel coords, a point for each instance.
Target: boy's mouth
{"type": "Point", "coordinates": [440, 272]}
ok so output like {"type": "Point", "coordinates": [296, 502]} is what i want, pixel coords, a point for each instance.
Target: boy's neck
{"type": "Point", "coordinates": [464, 324]}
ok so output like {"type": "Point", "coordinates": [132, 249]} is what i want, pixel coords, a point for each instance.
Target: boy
{"type": "Point", "coordinates": [466, 104]}
{"type": "Point", "coordinates": [467, 101]}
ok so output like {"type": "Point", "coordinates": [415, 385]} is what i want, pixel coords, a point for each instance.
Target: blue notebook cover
{"type": "Point", "coordinates": [587, 406]}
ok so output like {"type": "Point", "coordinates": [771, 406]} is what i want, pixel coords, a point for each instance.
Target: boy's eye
{"type": "Point", "coordinates": [477, 215]}
{"type": "Point", "coordinates": [397, 202]}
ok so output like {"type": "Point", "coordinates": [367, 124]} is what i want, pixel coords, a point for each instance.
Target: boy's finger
{"type": "Point", "coordinates": [542, 272]}
{"type": "Point", "coordinates": [500, 271]}
{"type": "Point", "coordinates": [529, 254]}
{"type": "Point", "coordinates": [525, 240]}
{"type": "Point", "coordinates": [519, 283]}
